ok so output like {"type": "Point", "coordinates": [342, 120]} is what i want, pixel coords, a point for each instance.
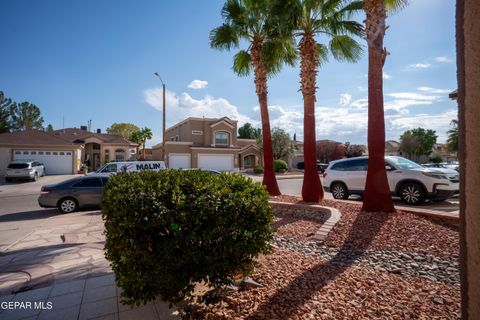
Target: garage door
{"type": "Point", "coordinates": [219, 162]}
{"type": "Point", "coordinates": [56, 162]}
{"type": "Point", "coordinates": [179, 161]}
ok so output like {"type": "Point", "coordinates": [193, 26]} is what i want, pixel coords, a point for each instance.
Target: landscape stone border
{"type": "Point", "coordinates": [327, 215]}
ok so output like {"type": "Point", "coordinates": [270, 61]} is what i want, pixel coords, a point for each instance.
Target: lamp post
{"type": "Point", "coordinates": [163, 132]}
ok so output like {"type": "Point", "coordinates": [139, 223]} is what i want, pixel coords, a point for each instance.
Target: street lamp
{"type": "Point", "coordinates": [163, 133]}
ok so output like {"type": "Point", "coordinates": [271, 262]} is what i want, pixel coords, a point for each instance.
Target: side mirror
{"type": "Point", "coordinates": [388, 168]}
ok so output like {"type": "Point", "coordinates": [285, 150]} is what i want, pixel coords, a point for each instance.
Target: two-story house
{"type": "Point", "coordinates": [207, 143]}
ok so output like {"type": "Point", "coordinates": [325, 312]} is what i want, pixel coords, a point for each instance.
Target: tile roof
{"type": "Point", "coordinates": [66, 137]}
{"type": "Point", "coordinates": [32, 137]}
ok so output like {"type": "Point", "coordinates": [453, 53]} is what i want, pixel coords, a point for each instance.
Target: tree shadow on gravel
{"type": "Point", "coordinates": [284, 304]}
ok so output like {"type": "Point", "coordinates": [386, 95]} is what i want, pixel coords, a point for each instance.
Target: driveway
{"type": "Point", "coordinates": [20, 213]}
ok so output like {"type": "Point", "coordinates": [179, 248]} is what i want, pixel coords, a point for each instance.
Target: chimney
{"type": "Point", "coordinates": [84, 128]}
{"type": "Point", "coordinates": [99, 130]}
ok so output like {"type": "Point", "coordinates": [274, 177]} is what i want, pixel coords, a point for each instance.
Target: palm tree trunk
{"type": "Point", "coordinates": [377, 195]}
{"type": "Point", "coordinates": [260, 72]}
{"type": "Point", "coordinates": [312, 190]}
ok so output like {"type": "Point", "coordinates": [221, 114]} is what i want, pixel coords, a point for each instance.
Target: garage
{"type": "Point", "coordinates": [179, 161]}
{"type": "Point", "coordinates": [56, 162]}
{"type": "Point", "coordinates": [219, 162]}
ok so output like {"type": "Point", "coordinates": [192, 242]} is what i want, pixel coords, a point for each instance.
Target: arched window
{"type": "Point", "coordinates": [222, 138]}
{"type": "Point", "coordinates": [119, 155]}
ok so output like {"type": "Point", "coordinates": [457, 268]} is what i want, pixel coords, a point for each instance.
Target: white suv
{"type": "Point", "coordinates": [407, 179]}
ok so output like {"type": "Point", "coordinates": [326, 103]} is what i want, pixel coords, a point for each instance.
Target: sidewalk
{"type": "Point", "coordinates": [59, 272]}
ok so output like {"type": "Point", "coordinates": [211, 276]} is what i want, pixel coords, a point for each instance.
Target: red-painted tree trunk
{"type": "Point", "coordinates": [269, 179]}
{"type": "Point", "coordinates": [312, 190]}
{"type": "Point", "coordinates": [377, 196]}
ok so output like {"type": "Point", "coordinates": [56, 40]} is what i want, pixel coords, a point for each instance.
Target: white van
{"type": "Point", "coordinates": [130, 166]}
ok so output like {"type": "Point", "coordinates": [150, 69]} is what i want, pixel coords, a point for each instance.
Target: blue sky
{"type": "Point", "coordinates": [95, 60]}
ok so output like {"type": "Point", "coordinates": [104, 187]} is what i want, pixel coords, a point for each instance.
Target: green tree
{"type": "Point", "coordinates": [49, 128]}
{"type": "Point", "coordinates": [452, 139]}
{"type": "Point", "coordinates": [408, 143]}
{"type": "Point", "coordinates": [377, 196]}
{"type": "Point", "coordinates": [426, 139]}
{"type": "Point", "coordinates": [123, 129]}
{"type": "Point", "coordinates": [248, 132]}
{"type": "Point", "coordinates": [282, 144]}
{"type": "Point", "coordinates": [136, 137]}
{"type": "Point", "coordinates": [307, 20]}
{"type": "Point", "coordinates": [26, 116]}
{"type": "Point", "coordinates": [5, 105]}
{"type": "Point", "coordinates": [251, 22]}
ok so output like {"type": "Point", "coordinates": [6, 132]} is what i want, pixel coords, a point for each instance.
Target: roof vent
{"type": "Point", "coordinates": [84, 128]}
{"type": "Point", "coordinates": [99, 130]}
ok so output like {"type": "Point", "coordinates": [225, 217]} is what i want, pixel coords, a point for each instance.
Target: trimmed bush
{"type": "Point", "coordinates": [282, 170]}
{"type": "Point", "coordinates": [167, 230]}
{"type": "Point", "coordinates": [280, 164]}
{"type": "Point", "coordinates": [258, 169]}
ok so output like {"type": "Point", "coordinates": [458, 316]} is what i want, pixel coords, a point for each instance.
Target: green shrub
{"type": "Point", "coordinates": [258, 169]}
{"type": "Point", "coordinates": [282, 170]}
{"type": "Point", "coordinates": [167, 230]}
{"type": "Point", "coordinates": [279, 164]}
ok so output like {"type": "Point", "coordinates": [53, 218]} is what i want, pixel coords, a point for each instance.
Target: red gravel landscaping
{"type": "Point", "coordinates": [308, 284]}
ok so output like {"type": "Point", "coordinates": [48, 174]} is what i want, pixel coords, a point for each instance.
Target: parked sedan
{"type": "Point", "coordinates": [70, 195]}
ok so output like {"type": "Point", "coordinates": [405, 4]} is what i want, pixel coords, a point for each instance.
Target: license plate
{"type": "Point", "coordinates": [17, 171]}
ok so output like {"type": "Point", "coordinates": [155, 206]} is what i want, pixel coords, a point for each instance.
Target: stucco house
{"type": "Point", "coordinates": [208, 143]}
{"type": "Point", "coordinates": [63, 151]}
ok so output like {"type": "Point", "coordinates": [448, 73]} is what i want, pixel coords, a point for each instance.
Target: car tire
{"type": "Point", "coordinates": [35, 176]}
{"type": "Point", "coordinates": [339, 191]}
{"type": "Point", "coordinates": [67, 205]}
{"type": "Point", "coordinates": [412, 193]}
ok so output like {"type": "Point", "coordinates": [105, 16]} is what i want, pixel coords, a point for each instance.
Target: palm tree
{"type": "Point", "coordinates": [309, 19]}
{"type": "Point", "coordinates": [377, 195]}
{"type": "Point", "coordinates": [146, 135]}
{"type": "Point", "coordinates": [137, 137]}
{"type": "Point", "coordinates": [250, 20]}
{"type": "Point", "coordinates": [452, 139]}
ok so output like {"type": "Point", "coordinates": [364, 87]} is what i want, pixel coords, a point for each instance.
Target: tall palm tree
{"type": "Point", "coordinates": [377, 195]}
{"type": "Point", "coordinates": [250, 21]}
{"type": "Point", "coordinates": [308, 19]}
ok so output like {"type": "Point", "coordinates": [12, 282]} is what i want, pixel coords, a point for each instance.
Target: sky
{"type": "Point", "coordinates": [95, 60]}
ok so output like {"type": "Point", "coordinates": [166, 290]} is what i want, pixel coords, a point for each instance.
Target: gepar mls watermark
{"type": "Point", "coordinates": [26, 305]}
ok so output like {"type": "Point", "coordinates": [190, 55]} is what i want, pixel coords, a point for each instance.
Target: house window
{"type": "Point", "coordinates": [55, 153]}
{"type": "Point", "coordinates": [69, 153]}
{"type": "Point", "coordinates": [221, 138]}
{"type": "Point", "coordinates": [62, 153]}
{"type": "Point", "coordinates": [119, 155]}
{"type": "Point", "coordinates": [25, 152]}
{"type": "Point", "coordinates": [40, 153]}
{"type": "Point", "coordinates": [107, 156]}
{"type": "Point", "coordinates": [33, 153]}
{"type": "Point", "coordinates": [18, 152]}
{"type": "Point", "coordinates": [48, 153]}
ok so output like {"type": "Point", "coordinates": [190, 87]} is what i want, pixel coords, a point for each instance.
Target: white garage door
{"type": "Point", "coordinates": [56, 162]}
{"type": "Point", "coordinates": [219, 162]}
{"type": "Point", "coordinates": [179, 161]}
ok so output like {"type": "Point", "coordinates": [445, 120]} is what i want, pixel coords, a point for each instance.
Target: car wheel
{"type": "Point", "coordinates": [412, 193]}
{"type": "Point", "coordinates": [35, 176]}
{"type": "Point", "coordinates": [67, 205]}
{"type": "Point", "coordinates": [339, 191]}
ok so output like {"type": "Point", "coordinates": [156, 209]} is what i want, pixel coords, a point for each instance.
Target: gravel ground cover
{"type": "Point", "coordinates": [375, 266]}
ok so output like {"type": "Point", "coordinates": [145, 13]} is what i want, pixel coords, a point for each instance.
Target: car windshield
{"type": "Point", "coordinates": [18, 166]}
{"type": "Point", "coordinates": [402, 163]}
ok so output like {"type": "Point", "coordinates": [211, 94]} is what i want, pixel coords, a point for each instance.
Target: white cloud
{"type": "Point", "coordinates": [181, 106]}
{"type": "Point", "coordinates": [198, 84]}
{"type": "Point", "coordinates": [360, 103]}
{"type": "Point", "coordinates": [386, 76]}
{"type": "Point", "coordinates": [345, 99]}
{"type": "Point", "coordinates": [443, 59]}
{"type": "Point", "coordinates": [434, 90]}
{"type": "Point", "coordinates": [418, 66]}
{"type": "Point", "coordinates": [413, 96]}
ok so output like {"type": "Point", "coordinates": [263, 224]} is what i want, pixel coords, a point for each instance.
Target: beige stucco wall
{"type": "Point", "coordinates": [157, 154]}
{"type": "Point", "coordinates": [246, 142]}
{"type": "Point", "coordinates": [469, 100]}
{"type": "Point", "coordinates": [5, 156]}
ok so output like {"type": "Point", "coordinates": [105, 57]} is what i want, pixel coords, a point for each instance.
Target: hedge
{"type": "Point", "coordinates": [280, 164]}
{"type": "Point", "coordinates": [258, 169]}
{"type": "Point", "coordinates": [168, 230]}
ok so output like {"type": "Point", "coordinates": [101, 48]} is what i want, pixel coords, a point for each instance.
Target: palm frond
{"type": "Point", "coordinates": [345, 48]}
{"type": "Point", "coordinates": [322, 53]}
{"type": "Point", "coordinates": [242, 63]}
{"type": "Point", "coordinates": [277, 52]}
{"type": "Point", "coordinates": [224, 37]}
{"type": "Point", "coordinates": [394, 6]}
